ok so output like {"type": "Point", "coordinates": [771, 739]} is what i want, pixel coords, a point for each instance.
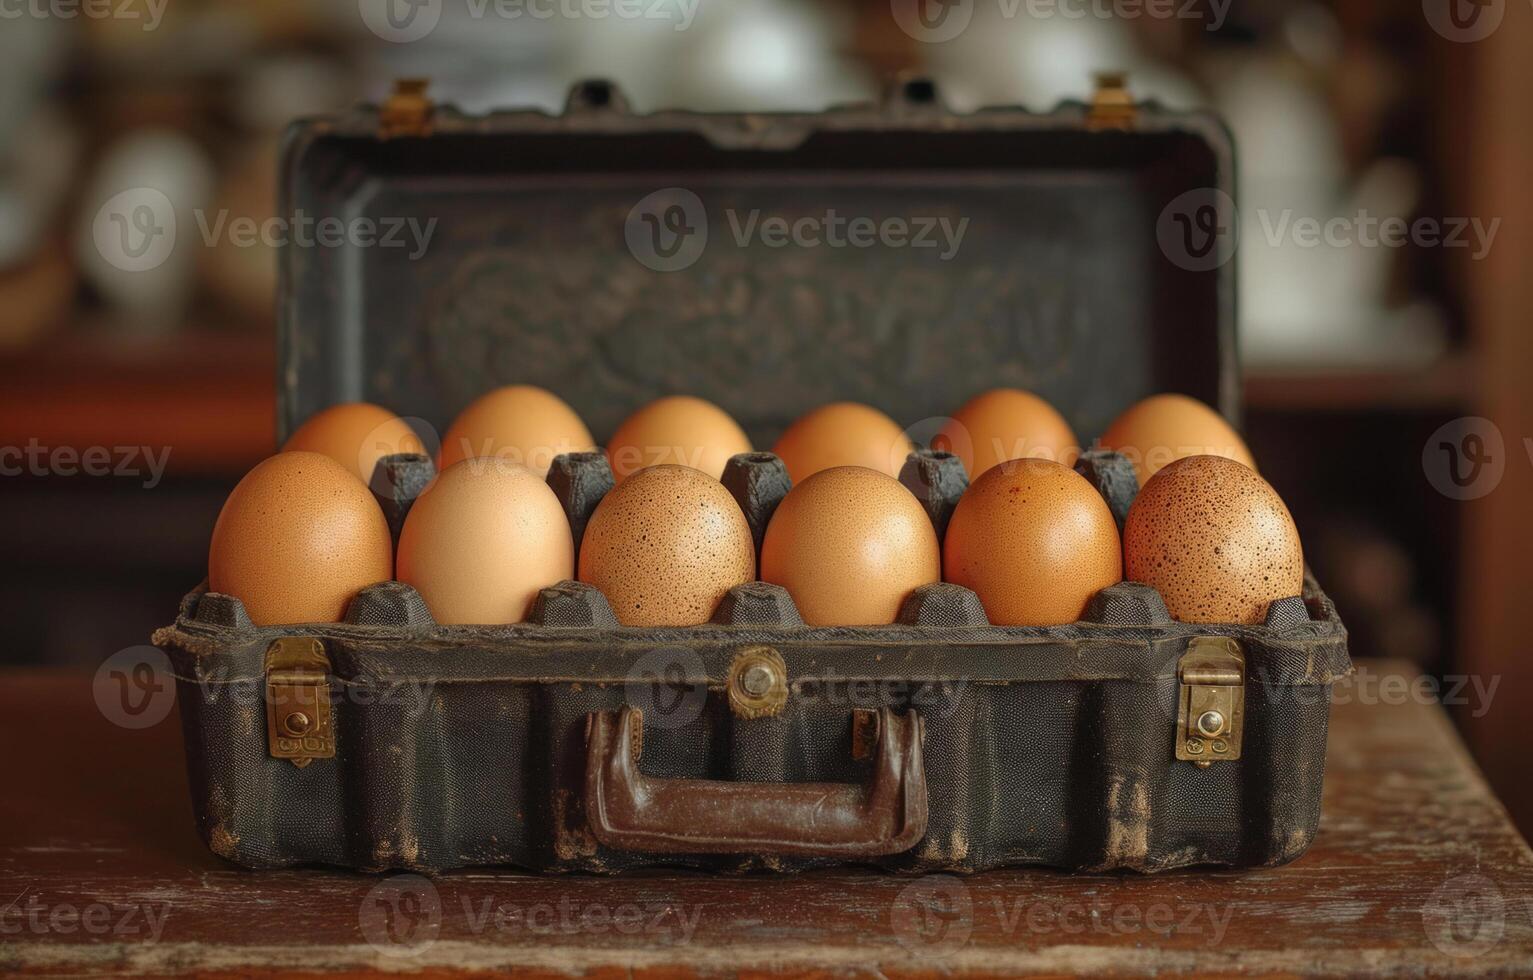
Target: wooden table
{"type": "Point", "coordinates": [1416, 869]}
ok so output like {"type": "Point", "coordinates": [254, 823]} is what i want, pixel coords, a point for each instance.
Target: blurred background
{"type": "Point", "coordinates": [1356, 357]}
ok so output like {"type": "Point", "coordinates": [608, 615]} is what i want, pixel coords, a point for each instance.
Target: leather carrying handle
{"type": "Point", "coordinates": [629, 811]}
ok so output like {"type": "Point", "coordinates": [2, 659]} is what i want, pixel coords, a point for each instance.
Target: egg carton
{"type": "Point", "coordinates": [937, 743]}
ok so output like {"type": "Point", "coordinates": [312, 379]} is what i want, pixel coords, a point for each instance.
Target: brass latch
{"type": "Point", "coordinates": [298, 700]}
{"type": "Point", "coordinates": [1112, 107]}
{"type": "Point", "coordinates": [407, 111]}
{"type": "Point", "coordinates": [1211, 710]}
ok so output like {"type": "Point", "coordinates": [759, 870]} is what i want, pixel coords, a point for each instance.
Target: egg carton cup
{"type": "Point", "coordinates": [464, 745]}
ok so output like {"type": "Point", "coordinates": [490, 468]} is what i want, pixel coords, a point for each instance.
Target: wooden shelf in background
{"type": "Point", "coordinates": [210, 395]}
{"type": "Point", "coordinates": [207, 396]}
{"type": "Point", "coordinates": [1447, 385]}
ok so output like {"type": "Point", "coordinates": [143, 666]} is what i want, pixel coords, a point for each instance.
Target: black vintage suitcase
{"type": "Point", "coordinates": [941, 742]}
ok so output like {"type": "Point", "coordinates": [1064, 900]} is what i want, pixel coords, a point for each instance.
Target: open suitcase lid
{"type": "Point", "coordinates": [898, 254]}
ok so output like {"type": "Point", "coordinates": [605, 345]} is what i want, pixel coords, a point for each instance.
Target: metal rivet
{"type": "Point", "coordinates": [1210, 723]}
{"type": "Point", "coordinates": [298, 723]}
{"type": "Point", "coordinates": [758, 683]}
{"type": "Point", "coordinates": [757, 680]}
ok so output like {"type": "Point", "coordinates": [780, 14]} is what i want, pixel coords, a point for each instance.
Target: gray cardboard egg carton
{"type": "Point", "coordinates": [759, 481]}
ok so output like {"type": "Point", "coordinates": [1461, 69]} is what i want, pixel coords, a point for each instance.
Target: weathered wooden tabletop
{"type": "Point", "coordinates": [1415, 870]}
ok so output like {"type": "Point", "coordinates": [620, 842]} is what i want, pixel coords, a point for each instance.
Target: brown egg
{"type": "Point", "coordinates": [519, 423]}
{"type": "Point", "coordinates": [1215, 540]}
{"type": "Point", "coordinates": [296, 539]}
{"type": "Point", "coordinates": [849, 544]}
{"type": "Point", "coordinates": [843, 434]}
{"type": "Point", "coordinates": [678, 430]}
{"type": "Point", "coordinates": [665, 545]}
{"type": "Point", "coordinates": [483, 540]}
{"type": "Point", "coordinates": [1006, 423]}
{"type": "Point", "coordinates": [1035, 541]}
{"type": "Point", "coordinates": [356, 435]}
{"type": "Point", "coordinates": [1163, 428]}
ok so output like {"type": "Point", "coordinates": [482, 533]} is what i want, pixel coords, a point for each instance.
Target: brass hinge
{"type": "Point", "coordinates": [1112, 107]}
{"type": "Point", "coordinates": [298, 724]}
{"type": "Point", "coordinates": [1211, 708]}
{"type": "Point", "coordinates": [407, 111]}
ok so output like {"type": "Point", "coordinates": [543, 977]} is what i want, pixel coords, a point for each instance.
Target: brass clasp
{"type": "Point", "coordinates": [298, 723]}
{"type": "Point", "coordinates": [1112, 107]}
{"type": "Point", "coordinates": [1211, 710]}
{"type": "Point", "coordinates": [407, 111]}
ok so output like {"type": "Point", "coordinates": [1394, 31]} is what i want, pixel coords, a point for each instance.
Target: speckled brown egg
{"type": "Point", "coordinates": [1006, 423]}
{"type": "Point", "coordinates": [483, 540]}
{"type": "Point", "coordinates": [1163, 428]}
{"type": "Point", "coordinates": [1215, 540]}
{"type": "Point", "coordinates": [1035, 541]}
{"type": "Point", "coordinates": [296, 540]}
{"type": "Point", "coordinates": [843, 434]}
{"type": "Point", "coordinates": [356, 435]}
{"type": "Point", "coordinates": [850, 544]}
{"type": "Point", "coordinates": [665, 545]}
